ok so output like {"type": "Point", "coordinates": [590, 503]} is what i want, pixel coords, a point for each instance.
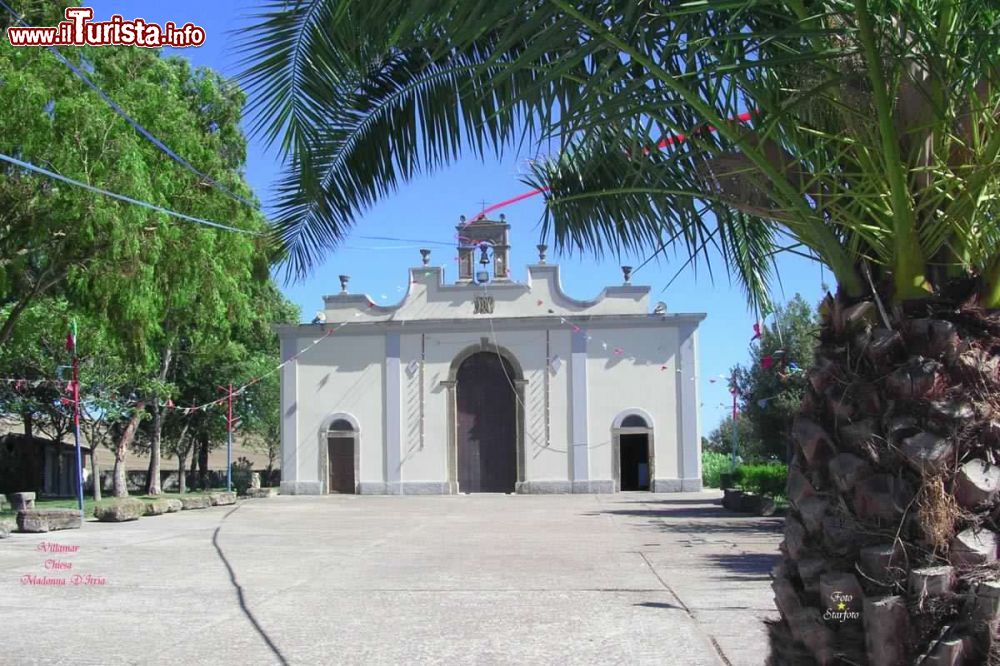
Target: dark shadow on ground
{"type": "Point", "coordinates": [658, 604]}
{"type": "Point", "coordinates": [746, 566]}
{"type": "Point", "coordinates": [239, 593]}
{"type": "Point", "coordinates": [701, 517]}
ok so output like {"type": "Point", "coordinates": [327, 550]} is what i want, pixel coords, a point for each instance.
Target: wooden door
{"type": "Point", "coordinates": [341, 456]}
{"type": "Point", "coordinates": [487, 425]}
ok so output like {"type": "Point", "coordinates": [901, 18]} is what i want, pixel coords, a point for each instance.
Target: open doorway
{"type": "Point", "coordinates": [632, 435]}
{"type": "Point", "coordinates": [634, 463]}
{"type": "Point", "coordinates": [341, 442]}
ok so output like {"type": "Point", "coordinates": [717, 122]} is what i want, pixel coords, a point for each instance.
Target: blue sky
{"type": "Point", "coordinates": [428, 208]}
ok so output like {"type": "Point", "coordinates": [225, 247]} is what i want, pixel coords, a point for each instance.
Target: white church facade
{"type": "Point", "coordinates": [491, 385]}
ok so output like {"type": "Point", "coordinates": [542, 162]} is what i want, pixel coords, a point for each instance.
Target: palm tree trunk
{"type": "Point", "coordinates": [891, 530]}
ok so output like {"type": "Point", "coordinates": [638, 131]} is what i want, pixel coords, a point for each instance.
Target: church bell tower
{"type": "Point", "coordinates": [480, 243]}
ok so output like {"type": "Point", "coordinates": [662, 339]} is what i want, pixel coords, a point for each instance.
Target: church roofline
{"type": "Point", "coordinates": [502, 323]}
{"type": "Point", "coordinates": [534, 270]}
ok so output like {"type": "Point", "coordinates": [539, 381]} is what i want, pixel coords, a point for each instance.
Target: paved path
{"type": "Point", "coordinates": [484, 579]}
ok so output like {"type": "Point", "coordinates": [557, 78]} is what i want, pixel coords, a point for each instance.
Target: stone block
{"type": "Point", "coordinates": [222, 499]}
{"type": "Point", "coordinates": [6, 527]}
{"type": "Point", "coordinates": [48, 520]}
{"type": "Point", "coordinates": [972, 547]}
{"type": "Point", "coordinates": [255, 480]}
{"type": "Point", "coordinates": [22, 501]}
{"type": "Point", "coordinates": [810, 569]}
{"type": "Point", "coordinates": [812, 439]}
{"type": "Point", "coordinates": [927, 452]}
{"type": "Point", "coordinates": [257, 493]}
{"type": "Point", "coordinates": [885, 621]}
{"type": "Point", "coordinates": [120, 511]}
{"type": "Point", "coordinates": [846, 469]}
{"type": "Point", "coordinates": [732, 499]}
{"type": "Point", "coordinates": [976, 483]}
{"type": "Point", "coordinates": [156, 507]}
{"type": "Point", "coordinates": [173, 505]}
{"type": "Point", "coordinates": [199, 502]}
{"type": "Point", "coordinates": [881, 497]}
{"type": "Point", "coordinates": [931, 582]}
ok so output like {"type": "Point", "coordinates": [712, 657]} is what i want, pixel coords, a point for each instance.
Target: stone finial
{"type": "Point", "coordinates": [461, 218]}
{"type": "Point", "coordinates": [627, 272]}
{"type": "Point", "coordinates": [425, 256]}
{"type": "Point", "coordinates": [344, 279]}
{"type": "Point", "coordinates": [542, 249]}
{"type": "Point", "coordinates": [503, 218]}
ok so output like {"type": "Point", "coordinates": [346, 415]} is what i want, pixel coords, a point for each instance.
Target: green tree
{"type": "Point", "coordinates": [771, 388]}
{"type": "Point", "coordinates": [748, 445]}
{"type": "Point", "coordinates": [864, 134]}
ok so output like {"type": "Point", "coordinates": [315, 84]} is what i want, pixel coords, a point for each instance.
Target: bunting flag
{"type": "Point", "coordinates": [756, 332]}
{"type": "Point", "coordinates": [767, 362]}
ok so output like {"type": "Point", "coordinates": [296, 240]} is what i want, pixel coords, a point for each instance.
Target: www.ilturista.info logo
{"type": "Point", "coordinates": [79, 30]}
{"type": "Point", "coordinates": [841, 608]}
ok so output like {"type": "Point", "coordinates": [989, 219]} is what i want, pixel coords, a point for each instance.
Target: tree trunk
{"type": "Point", "coordinates": [203, 462]}
{"type": "Point", "coordinates": [121, 450]}
{"type": "Point", "coordinates": [890, 542]}
{"type": "Point", "coordinates": [95, 473]}
{"type": "Point", "coordinates": [153, 478]}
{"type": "Point", "coordinates": [181, 471]}
{"type": "Point", "coordinates": [194, 463]}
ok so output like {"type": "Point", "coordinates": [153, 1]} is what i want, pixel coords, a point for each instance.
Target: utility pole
{"type": "Point", "coordinates": [71, 346]}
{"type": "Point", "coordinates": [735, 439]}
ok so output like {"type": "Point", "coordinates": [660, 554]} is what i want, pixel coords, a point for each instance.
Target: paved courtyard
{"type": "Point", "coordinates": [482, 579]}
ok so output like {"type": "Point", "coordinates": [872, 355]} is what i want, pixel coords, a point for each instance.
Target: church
{"type": "Point", "coordinates": [491, 385]}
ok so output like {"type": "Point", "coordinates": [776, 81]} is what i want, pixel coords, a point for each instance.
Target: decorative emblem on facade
{"type": "Point", "coordinates": [484, 305]}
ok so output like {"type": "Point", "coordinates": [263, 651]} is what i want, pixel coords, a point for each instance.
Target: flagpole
{"type": "Point", "coordinates": [71, 343]}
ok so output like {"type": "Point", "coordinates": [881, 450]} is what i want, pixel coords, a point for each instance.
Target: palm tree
{"type": "Point", "coordinates": [861, 133]}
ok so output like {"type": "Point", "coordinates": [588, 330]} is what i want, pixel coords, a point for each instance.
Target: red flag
{"type": "Point", "coordinates": [756, 332]}
{"type": "Point", "coordinates": [70, 342]}
{"type": "Point", "coordinates": [767, 362]}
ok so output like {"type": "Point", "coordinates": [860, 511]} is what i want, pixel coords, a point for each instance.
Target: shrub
{"type": "Point", "coordinates": [242, 473]}
{"type": "Point", "coordinates": [713, 464]}
{"type": "Point", "coordinates": [769, 479]}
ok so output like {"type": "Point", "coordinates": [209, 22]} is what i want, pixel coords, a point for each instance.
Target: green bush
{"type": "Point", "coordinates": [712, 465]}
{"type": "Point", "coordinates": [242, 472]}
{"type": "Point", "coordinates": [769, 479]}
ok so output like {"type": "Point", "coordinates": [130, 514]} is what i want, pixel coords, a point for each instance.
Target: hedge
{"type": "Point", "coordinates": [768, 479]}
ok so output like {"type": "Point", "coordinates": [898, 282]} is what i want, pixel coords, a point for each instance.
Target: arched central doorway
{"type": "Point", "coordinates": [486, 425]}
{"type": "Point", "coordinates": [632, 439]}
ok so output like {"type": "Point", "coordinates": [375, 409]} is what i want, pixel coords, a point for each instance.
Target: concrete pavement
{"type": "Point", "coordinates": [482, 579]}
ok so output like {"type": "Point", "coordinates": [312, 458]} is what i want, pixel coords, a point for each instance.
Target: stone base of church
{"type": "Point", "coordinates": [301, 488]}
{"type": "Point", "coordinates": [553, 487]}
{"type": "Point", "coordinates": [676, 485]}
